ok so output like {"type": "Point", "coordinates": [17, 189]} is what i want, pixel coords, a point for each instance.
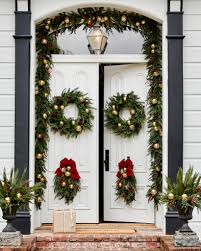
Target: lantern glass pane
{"type": "Point", "coordinates": [95, 42]}
{"type": "Point", "coordinates": [175, 6]}
{"type": "Point", "coordinates": [104, 41]}
{"type": "Point", "coordinates": [22, 5]}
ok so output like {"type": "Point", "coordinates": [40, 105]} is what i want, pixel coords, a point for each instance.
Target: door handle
{"type": "Point", "coordinates": [107, 160]}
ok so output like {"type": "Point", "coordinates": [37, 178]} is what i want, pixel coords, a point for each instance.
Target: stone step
{"type": "Point", "coordinates": [61, 242]}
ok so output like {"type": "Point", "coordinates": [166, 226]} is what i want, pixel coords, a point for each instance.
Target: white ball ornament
{"type": "Point", "coordinates": [184, 197]}
{"type": "Point", "coordinates": [170, 196]}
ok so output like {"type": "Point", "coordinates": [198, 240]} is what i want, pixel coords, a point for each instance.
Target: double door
{"type": "Point", "coordinates": [85, 148]}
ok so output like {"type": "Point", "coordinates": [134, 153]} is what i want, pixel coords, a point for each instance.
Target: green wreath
{"type": "Point", "coordinates": [124, 128]}
{"type": "Point", "coordinates": [71, 127]}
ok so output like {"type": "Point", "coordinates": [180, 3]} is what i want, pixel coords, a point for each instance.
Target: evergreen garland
{"type": "Point", "coordinates": [47, 32]}
{"type": "Point", "coordinates": [122, 127]}
{"type": "Point", "coordinates": [126, 181]}
{"type": "Point", "coordinates": [71, 127]}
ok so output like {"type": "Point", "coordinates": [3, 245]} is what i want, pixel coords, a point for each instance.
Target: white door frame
{"type": "Point", "coordinates": [114, 59]}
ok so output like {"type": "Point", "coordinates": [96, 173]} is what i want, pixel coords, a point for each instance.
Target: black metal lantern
{"type": "Point", "coordinates": [22, 5]}
{"type": "Point", "coordinates": [97, 40]}
{"type": "Point", "coordinates": [175, 5]}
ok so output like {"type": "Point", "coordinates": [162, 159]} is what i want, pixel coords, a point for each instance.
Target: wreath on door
{"type": "Point", "coordinates": [113, 120]}
{"type": "Point", "coordinates": [71, 127]}
{"type": "Point", "coordinates": [66, 180]}
{"type": "Point", "coordinates": [126, 181]}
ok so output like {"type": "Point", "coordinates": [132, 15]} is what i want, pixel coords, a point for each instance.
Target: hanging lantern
{"type": "Point", "coordinates": [97, 40]}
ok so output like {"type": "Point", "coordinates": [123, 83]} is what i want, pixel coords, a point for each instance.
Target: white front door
{"type": "Point", "coordinates": [123, 79]}
{"type": "Point", "coordinates": [83, 149]}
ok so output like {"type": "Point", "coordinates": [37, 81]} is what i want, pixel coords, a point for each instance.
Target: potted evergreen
{"type": "Point", "coordinates": [15, 193]}
{"type": "Point", "coordinates": [184, 195]}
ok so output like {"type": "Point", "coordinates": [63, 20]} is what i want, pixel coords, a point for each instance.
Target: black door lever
{"type": "Point", "coordinates": [107, 160]}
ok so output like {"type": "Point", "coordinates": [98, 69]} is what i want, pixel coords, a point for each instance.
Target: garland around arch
{"type": "Point", "coordinates": [47, 32]}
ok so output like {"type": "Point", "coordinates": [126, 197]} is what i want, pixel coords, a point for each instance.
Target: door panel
{"type": "Point", "coordinates": [123, 79]}
{"type": "Point", "coordinates": [83, 149]}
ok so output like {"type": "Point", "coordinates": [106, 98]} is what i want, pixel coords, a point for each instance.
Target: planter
{"type": "Point", "coordinates": [9, 214]}
{"type": "Point", "coordinates": [185, 216]}
{"type": "Point", "coordinates": [185, 237]}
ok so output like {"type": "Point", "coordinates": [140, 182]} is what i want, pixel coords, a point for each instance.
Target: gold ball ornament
{"type": "Point", "coordinates": [123, 18]}
{"type": "Point", "coordinates": [137, 24]}
{"type": "Point", "coordinates": [40, 200]}
{"type": "Point", "coordinates": [41, 82]}
{"type": "Point", "coordinates": [119, 185]}
{"type": "Point", "coordinates": [36, 92]}
{"type": "Point", "coordinates": [87, 110]}
{"type": "Point", "coordinates": [71, 186]}
{"type": "Point", "coordinates": [152, 51]}
{"type": "Point", "coordinates": [126, 187]}
{"type": "Point", "coordinates": [99, 19]}
{"type": "Point", "coordinates": [114, 112]}
{"type": "Point", "coordinates": [124, 97]}
{"type": "Point", "coordinates": [39, 176]}
{"type": "Point", "coordinates": [56, 107]}
{"type": "Point", "coordinates": [39, 135]}
{"type": "Point", "coordinates": [158, 168]}
{"type": "Point", "coordinates": [44, 41]}
{"type": "Point", "coordinates": [68, 168]}
{"type": "Point", "coordinates": [46, 94]}
{"type": "Point", "coordinates": [42, 179]}
{"type": "Point", "coordinates": [154, 101]}
{"type": "Point", "coordinates": [132, 111]}
{"type": "Point", "coordinates": [19, 195]}
{"type": "Point", "coordinates": [131, 127]}
{"type": "Point", "coordinates": [170, 196]}
{"type": "Point", "coordinates": [125, 169]}
{"type": "Point", "coordinates": [153, 192]}
{"type": "Point", "coordinates": [39, 156]}
{"type": "Point", "coordinates": [113, 107]}
{"type": "Point", "coordinates": [45, 61]}
{"type": "Point", "coordinates": [143, 22]}
{"type": "Point", "coordinates": [154, 123]}
{"type": "Point", "coordinates": [63, 184]}
{"type": "Point", "coordinates": [156, 73]}
{"type": "Point", "coordinates": [78, 128]}
{"type": "Point", "coordinates": [105, 18]}
{"type": "Point", "coordinates": [62, 107]}
{"type": "Point", "coordinates": [124, 175]}
{"type": "Point", "coordinates": [184, 196]}
{"type": "Point", "coordinates": [156, 146]}
{"type": "Point", "coordinates": [47, 27]}
{"type": "Point", "coordinates": [129, 122]}
{"type": "Point", "coordinates": [122, 171]}
{"type": "Point", "coordinates": [67, 20]}
{"type": "Point", "coordinates": [81, 99]}
{"type": "Point", "coordinates": [45, 115]}
{"type": "Point", "coordinates": [119, 124]}
{"type": "Point", "coordinates": [152, 46]}
{"type": "Point", "coordinates": [156, 129]}
{"type": "Point", "coordinates": [73, 122]}
{"type": "Point", "coordinates": [48, 21]}
{"type": "Point", "coordinates": [7, 200]}
{"type": "Point", "coordinates": [67, 174]}
{"type": "Point", "coordinates": [63, 169]}
{"type": "Point", "coordinates": [61, 123]}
